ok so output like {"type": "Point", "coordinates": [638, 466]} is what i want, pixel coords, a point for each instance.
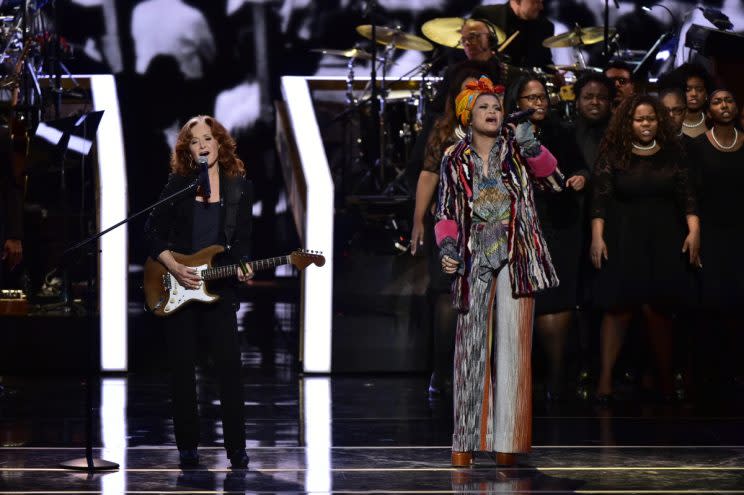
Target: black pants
{"type": "Point", "coordinates": [218, 323]}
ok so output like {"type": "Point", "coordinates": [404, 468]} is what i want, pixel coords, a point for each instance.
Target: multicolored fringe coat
{"type": "Point", "coordinates": [530, 266]}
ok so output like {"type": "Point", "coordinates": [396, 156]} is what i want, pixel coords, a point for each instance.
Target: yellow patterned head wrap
{"type": "Point", "coordinates": [465, 101]}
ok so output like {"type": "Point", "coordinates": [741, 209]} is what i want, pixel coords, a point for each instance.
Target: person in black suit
{"type": "Point", "coordinates": [220, 214]}
{"type": "Point", "coordinates": [525, 16]}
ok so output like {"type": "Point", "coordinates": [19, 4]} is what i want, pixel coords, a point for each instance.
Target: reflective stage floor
{"type": "Point", "coordinates": [355, 434]}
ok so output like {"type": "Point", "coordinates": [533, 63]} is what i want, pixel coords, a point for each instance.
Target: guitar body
{"type": "Point", "coordinates": [163, 293]}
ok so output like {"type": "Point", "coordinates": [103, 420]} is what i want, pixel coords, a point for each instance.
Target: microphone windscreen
{"type": "Point", "coordinates": [204, 176]}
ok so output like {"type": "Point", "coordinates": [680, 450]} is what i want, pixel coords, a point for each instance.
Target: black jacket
{"type": "Point", "coordinates": [526, 50]}
{"type": "Point", "coordinates": [170, 225]}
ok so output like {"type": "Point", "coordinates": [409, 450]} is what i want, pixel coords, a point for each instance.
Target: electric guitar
{"type": "Point", "coordinates": [164, 295]}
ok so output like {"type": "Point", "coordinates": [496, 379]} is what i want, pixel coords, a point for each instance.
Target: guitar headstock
{"type": "Point", "coordinates": [302, 258]}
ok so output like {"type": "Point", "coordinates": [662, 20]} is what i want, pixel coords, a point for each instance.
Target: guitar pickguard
{"type": "Point", "coordinates": [179, 295]}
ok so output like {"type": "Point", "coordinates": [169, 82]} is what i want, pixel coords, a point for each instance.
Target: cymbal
{"type": "Point", "coordinates": [445, 31]}
{"type": "Point", "coordinates": [577, 37]}
{"type": "Point", "coordinates": [395, 37]}
{"type": "Point", "coordinates": [351, 53]}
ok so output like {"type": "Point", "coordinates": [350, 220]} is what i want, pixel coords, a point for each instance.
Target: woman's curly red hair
{"type": "Point", "coordinates": [182, 163]}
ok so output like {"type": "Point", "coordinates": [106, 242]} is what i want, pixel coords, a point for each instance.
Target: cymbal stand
{"type": "Point", "coordinates": [382, 97]}
{"type": "Point", "coordinates": [350, 82]}
{"type": "Point", "coordinates": [371, 12]}
{"type": "Point", "coordinates": [606, 52]}
{"type": "Point", "coordinates": [579, 57]}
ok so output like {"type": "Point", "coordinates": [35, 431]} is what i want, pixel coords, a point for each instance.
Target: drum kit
{"type": "Point", "coordinates": [400, 118]}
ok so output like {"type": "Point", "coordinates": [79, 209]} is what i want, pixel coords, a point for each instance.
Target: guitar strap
{"type": "Point", "coordinates": [233, 191]}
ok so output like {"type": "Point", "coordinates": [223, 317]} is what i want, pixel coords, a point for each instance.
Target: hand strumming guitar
{"type": "Point", "coordinates": [188, 277]}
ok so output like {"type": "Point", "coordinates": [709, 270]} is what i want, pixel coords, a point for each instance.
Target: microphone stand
{"type": "Point", "coordinates": [90, 463]}
{"type": "Point", "coordinates": [606, 51]}
{"type": "Point", "coordinates": [642, 67]}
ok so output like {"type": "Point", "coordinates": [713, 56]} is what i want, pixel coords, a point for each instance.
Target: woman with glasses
{"type": "Point", "coordinates": [561, 220]}
{"type": "Point", "coordinates": [645, 232]}
{"type": "Point", "coordinates": [490, 240]}
{"type": "Point", "coordinates": [717, 158]}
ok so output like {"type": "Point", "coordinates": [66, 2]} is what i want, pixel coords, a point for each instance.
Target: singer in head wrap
{"type": "Point", "coordinates": [218, 212]}
{"type": "Point", "coordinates": [489, 236]}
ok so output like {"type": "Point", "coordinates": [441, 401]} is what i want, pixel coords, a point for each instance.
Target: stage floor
{"type": "Point", "coordinates": [380, 434]}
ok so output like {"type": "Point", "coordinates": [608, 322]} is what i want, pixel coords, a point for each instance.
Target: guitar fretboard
{"type": "Point", "coordinates": [219, 272]}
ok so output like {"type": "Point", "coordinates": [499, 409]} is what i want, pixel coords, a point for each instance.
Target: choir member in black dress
{"type": "Point", "coordinates": [561, 219]}
{"type": "Point", "coordinates": [645, 232]}
{"type": "Point", "coordinates": [717, 160]}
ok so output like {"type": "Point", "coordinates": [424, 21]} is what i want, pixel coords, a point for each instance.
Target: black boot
{"type": "Point", "coordinates": [189, 458]}
{"type": "Point", "coordinates": [238, 459]}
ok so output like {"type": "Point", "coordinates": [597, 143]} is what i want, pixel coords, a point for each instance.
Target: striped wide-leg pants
{"type": "Point", "coordinates": [493, 376]}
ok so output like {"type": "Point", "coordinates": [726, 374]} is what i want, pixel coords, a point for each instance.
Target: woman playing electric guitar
{"type": "Point", "coordinates": [216, 215]}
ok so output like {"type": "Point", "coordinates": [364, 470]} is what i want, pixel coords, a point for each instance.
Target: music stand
{"type": "Point", "coordinates": [77, 134]}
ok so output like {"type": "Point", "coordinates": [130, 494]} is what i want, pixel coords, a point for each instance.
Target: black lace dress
{"type": "Point", "coordinates": [644, 209]}
{"type": "Point", "coordinates": [719, 177]}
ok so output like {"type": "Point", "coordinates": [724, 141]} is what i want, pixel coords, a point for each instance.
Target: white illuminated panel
{"type": "Point", "coordinates": [317, 281]}
{"type": "Point", "coordinates": [114, 433]}
{"type": "Point", "coordinates": [317, 427]}
{"type": "Point", "coordinates": [112, 203]}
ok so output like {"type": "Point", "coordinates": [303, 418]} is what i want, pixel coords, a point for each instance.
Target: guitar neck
{"type": "Point", "coordinates": [219, 272]}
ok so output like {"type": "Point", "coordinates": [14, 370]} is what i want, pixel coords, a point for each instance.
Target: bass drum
{"type": "Point", "coordinates": [400, 124]}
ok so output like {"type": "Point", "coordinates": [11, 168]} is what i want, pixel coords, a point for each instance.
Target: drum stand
{"type": "Point", "coordinates": [378, 99]}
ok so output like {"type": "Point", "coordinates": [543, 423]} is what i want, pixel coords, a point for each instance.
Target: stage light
{"type": "Point", "coordinates": [318, 438]}
{"type": "Point", "coordinates": [112, 207]}
{"type": "Point", "coordinates": [317, 282]}
{"type": "Point", "coordinates": [114, 432]}
{"type": "Point", "coordinates": [663, 55]}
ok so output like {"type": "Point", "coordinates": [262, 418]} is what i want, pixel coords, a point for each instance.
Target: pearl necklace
{"type": "Point", "coordinates": [696, 124]}
{"type": "Point", "coordinates": [736, 138]}
{"type": "Point", "coordinates": [646, 148]}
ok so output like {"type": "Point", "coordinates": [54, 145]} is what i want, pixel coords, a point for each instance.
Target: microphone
{"type": "Point", "coordinates": [203, 180]}
{"type": "Point", "coordinates": [717, 18]}
{"type": "Point", "coordinates": [517, 117]}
